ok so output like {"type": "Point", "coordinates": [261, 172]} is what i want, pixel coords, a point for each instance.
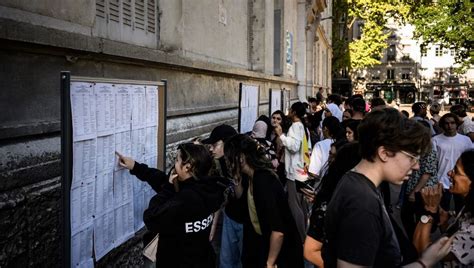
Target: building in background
{"type": "Point", "coordinates": [409, 73]}
{"type": "Point", "coordinates": [204, 49]}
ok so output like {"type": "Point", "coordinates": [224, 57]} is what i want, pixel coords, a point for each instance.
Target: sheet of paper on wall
{"type": "Point", "coordinates": [138, 208]}
{"type": "Point", "coordinates": [104, 234]}
{"type": "Point", "coordinates": [123, 187]}
{"type": "Point", "coordinates": [123, 108]}
{"type": "Point", "coordinates": [83, 111]}
{"type": "Point", "coordinates": [138, 107]}
{"type": "Point", "coordinates": [151, 161]}
{"type": "Point", "coordinates": [123, 145]}
{"type": "Point", "coordinates": [105, 108]}
{"type": "Point", "coordinates": [248, 118]}
{"type": "Point", "coordinates": [104, 193]}
{"type": "Point", "coordinates": [84, 161]}
{"type": "Point", "coordinates": [81, 245]}
{"type": "Point", "coordinates": [82, 205]}
{"type": "Point", "coordinates": [138, 144]}
{"type": "Point", "coordinates": [152, 114]}
{"type": "Point", "coordinates": [89, 263]}
{"type": "Point", "coordinates": [105, 153]}
{"type": "Point", "coordinates": [124, 228]}
{"type": "Point", "coordinates": [151, 141]}
{"type": "Point", "coordinates": [276, 100]}
{"type": "Point", "coordinates": [138, 185]}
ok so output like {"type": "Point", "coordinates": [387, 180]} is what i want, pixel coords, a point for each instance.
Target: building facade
{"type": "Point", "coordinates": [408, 72]}
{"type": "Point", "coordinates": [204, 49]}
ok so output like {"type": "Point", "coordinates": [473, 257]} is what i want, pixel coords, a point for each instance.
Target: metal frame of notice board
{"type": "Point", "coordinates": [240, 103]}
{"type": "Point", "coordinates": [67, 143]}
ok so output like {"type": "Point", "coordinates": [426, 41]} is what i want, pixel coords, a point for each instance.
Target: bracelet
{"type": "Point", "coordinates": [421, 263]}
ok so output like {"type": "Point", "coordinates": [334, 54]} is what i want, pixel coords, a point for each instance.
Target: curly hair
{"type": "Point", "coordinates": [242, 145]}
{"type": "Point", "coordinates": [442, 120]}
{"type": "Point", "coordinates": [387, 127]}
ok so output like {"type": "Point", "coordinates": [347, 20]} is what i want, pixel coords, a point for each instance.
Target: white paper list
{"type": "Point", "coordinates": [138, 107]}
{"type": "Point", "coordinates": [105, 153]}
{"type": "Point", "coordinates": [83, 111]}
{"type": "Point", "coordinates": [84, 161]}
{"type": "Point", "coordinates": [151, 141]}
{"type": "Point", "coordinates": [138, 144]}
{"type": "Point", "coordinates": [123, 145]}
{"type": "Point", "coordinates": [124, 222]}
{"type": "Point", "coordinates": [123, 108]}
{"type": "Point", "coordinates": [104, 193]}
{"type": "Point", "coordinates": [123, 187]}
{"type": "Point", "coordinates": [152, 115]}
{"type": "Point", "coordinates": [138, 208]}
{"type": "Point", "coordinates": [105, 108]}
{"type": "Point", "coordinates": [104, 234]}
{"type": "Point", "coordinates": [82, 205]}
{"type": "Point", "coordinates": [81, 246]}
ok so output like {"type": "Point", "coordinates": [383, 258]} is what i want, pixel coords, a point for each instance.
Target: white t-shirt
{"type": "Point", "coordinates": [319, 156]}
{"type": "Point", "coordinates": [467, 126]}
{"type": "Point", "coordinates": [293, 149]}
{"type": "Point", "coordinates": [449, 149]}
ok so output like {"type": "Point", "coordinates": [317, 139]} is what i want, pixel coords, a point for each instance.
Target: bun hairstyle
{"type": "Point", "coordinates": [198, 157]}
{"type": "Point", "coordinates": [299, 109]}
{"type": "Point", "coordinates": [240, 146]}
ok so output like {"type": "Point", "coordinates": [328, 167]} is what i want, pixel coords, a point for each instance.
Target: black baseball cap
{"type": "Point", "coordinates": [221, 132]}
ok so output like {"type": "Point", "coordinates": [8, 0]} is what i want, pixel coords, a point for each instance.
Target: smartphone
{"type": "Point", "coordinates": [453, 228]}
{"type": "Point", "coordinates": [304, 184]}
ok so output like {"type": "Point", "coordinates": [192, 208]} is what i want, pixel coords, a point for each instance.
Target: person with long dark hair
{"type": "Point", "coordinates": [270, 235]}
{"type": "Point", "coordinates": [183, 208]}
{"type": "Point", "coordinates": [279, 118]}
{"type": "Point", "coordinates": [461, 177]}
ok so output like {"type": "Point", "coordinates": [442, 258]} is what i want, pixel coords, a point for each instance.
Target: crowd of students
{"type": "Point", "coordinates": [312, 188]}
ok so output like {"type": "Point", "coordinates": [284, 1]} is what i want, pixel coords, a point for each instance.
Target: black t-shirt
{"type": "Point", "coordinates": [358, 227]}
{"type": "Point", "coordinates": [273, 212]}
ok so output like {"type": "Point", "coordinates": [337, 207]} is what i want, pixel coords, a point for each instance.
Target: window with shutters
{"type": "Point", "coordinates": [129, 21]}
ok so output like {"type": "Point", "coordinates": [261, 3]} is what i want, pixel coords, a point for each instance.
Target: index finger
{"type": "Point", "coordinates": [118, 154]}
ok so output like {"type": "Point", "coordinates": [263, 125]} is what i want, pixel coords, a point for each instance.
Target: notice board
{"type": "Point", "coordinates": [248, 107]}
{"type": "Point", "coordinates": [103, 202]}
{"type": "Point", "coordinates": [275, 101]}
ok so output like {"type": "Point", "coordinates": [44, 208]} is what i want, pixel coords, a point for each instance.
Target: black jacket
{"type": "Point", "coordinates": [183, 219]}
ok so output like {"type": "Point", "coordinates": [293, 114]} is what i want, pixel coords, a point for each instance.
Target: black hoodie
{"type": "Point", "coordinates": [183, 219]}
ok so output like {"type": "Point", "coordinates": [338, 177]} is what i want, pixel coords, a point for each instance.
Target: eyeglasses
{"type": "Point", "coordinates": [413, 158]}
{"type": "Point", "coordinates": [455, 171]}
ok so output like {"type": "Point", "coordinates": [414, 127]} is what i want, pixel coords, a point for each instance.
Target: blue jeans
{"type": "Point", "coordinates": [231, 244]}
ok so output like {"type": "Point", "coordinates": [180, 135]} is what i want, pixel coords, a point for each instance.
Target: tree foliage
{"type": "Point", "coordinates": [448, 23]}
{"type": "Point", "coordinates": [367, 50]}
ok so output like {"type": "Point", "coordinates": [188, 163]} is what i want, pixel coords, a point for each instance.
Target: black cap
{"type": "Point", "coordinates": [221, 132]}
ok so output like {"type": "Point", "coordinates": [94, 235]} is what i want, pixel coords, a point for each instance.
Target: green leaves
{"type": "Point", "coordinates": [448, 23]}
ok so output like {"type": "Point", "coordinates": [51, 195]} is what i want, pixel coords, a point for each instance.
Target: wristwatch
{"type": "Point", "coordinates": [426, 219]}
